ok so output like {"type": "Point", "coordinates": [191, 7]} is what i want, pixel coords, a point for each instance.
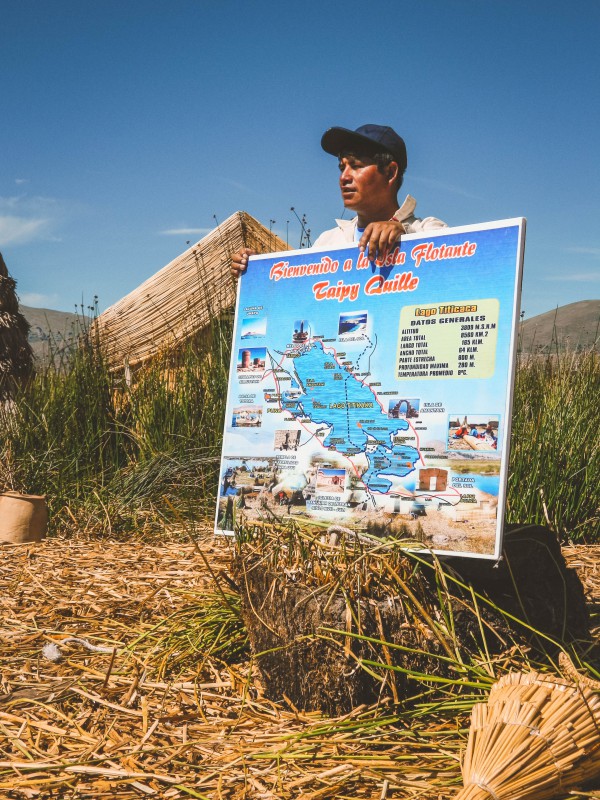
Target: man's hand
{"type": "Point", "coordinates": [379, 239]}
{"type": "Point", "coordinates": [239, 261]}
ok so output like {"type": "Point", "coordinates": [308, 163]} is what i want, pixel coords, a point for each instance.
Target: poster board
{"type": "Point", "coordinates": [377, 398]}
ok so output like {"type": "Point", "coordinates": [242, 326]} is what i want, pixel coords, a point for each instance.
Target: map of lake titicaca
{"type": "Point", "coordinates": [377, 397]}
{"type": "Point", "coordinates": [350, 414]}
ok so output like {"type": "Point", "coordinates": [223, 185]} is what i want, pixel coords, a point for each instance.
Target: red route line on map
{"type": "Point", "coordinates": [370, 388]}
{"type": "Point", "coordinates": [453, 493]}
{"type": "Point", "coordinates": [362, 382]}
{"type": "Point", "coordinates": [313, 436]}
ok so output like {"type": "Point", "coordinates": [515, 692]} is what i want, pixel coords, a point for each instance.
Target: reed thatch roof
{"type": "Point", "coordinates": [180, 300]}
{"type": "Point", "coordinates": [16, 357]}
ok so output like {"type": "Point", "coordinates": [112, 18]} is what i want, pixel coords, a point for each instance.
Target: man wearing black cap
{"type": "Point", "coordinates": [372, 162]}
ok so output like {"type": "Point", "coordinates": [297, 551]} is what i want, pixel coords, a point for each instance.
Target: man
{"type": "Point", "coordinates": [372, 161]}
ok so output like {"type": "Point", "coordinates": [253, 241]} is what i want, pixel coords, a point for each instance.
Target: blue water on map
{"type": "Point", "coordinates": [334, 397]}
{"type": "Point", "coordinates": [485, 483]}
{"type": "Point", "coordinates": [351, 327]}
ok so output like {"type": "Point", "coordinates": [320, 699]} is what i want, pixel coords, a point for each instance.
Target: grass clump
{"type": "Point", "coordinates": [337, 624]}
{"type": "Point", "coordinates": [207, 632]}
{"type": "Point", "coordinates": [113, 457]}
{"type": "Point", "coordinates": [555, 445]}
{"type": "Point", "coordinates": [107, 454]}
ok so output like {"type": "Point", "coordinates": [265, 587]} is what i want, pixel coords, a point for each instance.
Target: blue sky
{"type": "Point", "coordinates": [128, 125]}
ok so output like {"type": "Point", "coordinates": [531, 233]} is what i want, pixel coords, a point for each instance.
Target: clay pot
{"type": "Point", "coordinates": [23, 517]}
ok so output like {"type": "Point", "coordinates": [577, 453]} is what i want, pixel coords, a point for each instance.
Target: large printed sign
{"type": "Point", "coordinates": [377, 397]}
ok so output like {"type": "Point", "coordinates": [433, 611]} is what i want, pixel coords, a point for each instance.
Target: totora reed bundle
{"type": "Point", "coordinates": [537, 737]}
{"type": "Point", "coordinates": [180, 300]}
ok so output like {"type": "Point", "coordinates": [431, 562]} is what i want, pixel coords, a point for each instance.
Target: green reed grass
{"type": "Point", "coordinates": [210, 631]}
{"type": "Point", "coordinates": [555, 444]}
{"type": "Point", "coordinates": [106, 454]}
{"type": "Point", "coordinates": [448, 669]}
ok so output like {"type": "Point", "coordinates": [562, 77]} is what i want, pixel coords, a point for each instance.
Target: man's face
{"type": "Point", "coordinates": [361, 183]}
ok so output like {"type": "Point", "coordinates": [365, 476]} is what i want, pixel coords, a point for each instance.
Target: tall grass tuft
{"type": "Point", "coordinates": [61, 434]}
{"type": "Point", "coordinates": [112, 457]}
{"type": "Point", "coordinates": [422, 633]}
{"type": "Point", "coordinates": [555, 448]}
{"type": "Point", "coordinates": [107, 455]}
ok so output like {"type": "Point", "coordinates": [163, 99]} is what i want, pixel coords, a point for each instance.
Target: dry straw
{"type": "Point", "coordinates": [160, 717]}
{"type": "Point", "coordinates": [150, 711]}
{"type": "Point", "coordinates": [536, 738]}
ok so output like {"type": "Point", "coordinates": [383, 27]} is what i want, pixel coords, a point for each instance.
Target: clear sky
{"type": "Point", "coordinates": [127, 125]}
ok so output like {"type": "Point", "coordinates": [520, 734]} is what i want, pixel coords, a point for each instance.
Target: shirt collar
{"type": "Point", "coordinates": [406, 210]}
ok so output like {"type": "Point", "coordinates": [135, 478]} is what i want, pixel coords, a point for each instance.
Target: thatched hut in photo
{"type": "Point", "coordinates": [16, 356]}
{"type": "Point", "coordinates": [180, 300]}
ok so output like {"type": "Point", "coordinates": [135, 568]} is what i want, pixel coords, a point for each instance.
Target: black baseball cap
{"type": "Point", "coordinates": [366, 139]}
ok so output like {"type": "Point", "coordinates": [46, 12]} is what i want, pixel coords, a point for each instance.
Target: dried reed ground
{"type": "Point", "coordinates": [157, 719]}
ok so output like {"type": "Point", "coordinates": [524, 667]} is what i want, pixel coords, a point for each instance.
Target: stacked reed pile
{"type": "Point", "coordinates": [334, 624]}
{"type": "Point", "coordinates": [179, 301]}
{"type": "Point", "coordinates": [16, 357]}
{"type": "Point", "coordinates": [536, 738]}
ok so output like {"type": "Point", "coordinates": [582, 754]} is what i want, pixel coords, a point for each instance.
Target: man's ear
{"type": "Point", "coordinates": [392, 172]}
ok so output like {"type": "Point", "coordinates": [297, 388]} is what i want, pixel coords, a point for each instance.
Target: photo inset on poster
{"type": "Point", "coordinates": [252, 487]}
{"type": "Point", "coordinates": [477, 432]}
{"type": "Point", "coordinates": [301, 332]}
{"type": "Point", "coordinates": [251, 361]}
{"type": "Point", "coordinates": [286, 440]}
{"type": "Point", "coordinates": [354, 322]}
{"type": "Point", "coordinates": [253, 328]}
{"type": "Point", "coordinates": [228, 482]}
{"type": "Point", "coordinates": [247, 416]}
{"type": "Point", "coordinates": [330, 481]}
{"type": "Point", "coordinates": [403, 408]}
